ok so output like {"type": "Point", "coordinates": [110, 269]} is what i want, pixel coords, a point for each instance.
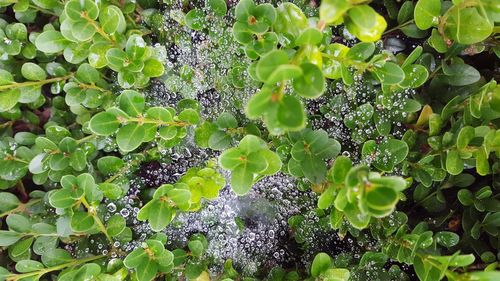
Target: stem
{"type": "Point", "coordinates": [89, 137]}
{"type": "Point", "coordinates": [122, 171]}
{"type": "Point", "coordinates": [98, 29]}
{"type": "Point", "coordinates": [9, 157]}
{"type": "Point", "coordinates": [92, 212]}
{"type": "Point", "coordinates": [21, 208]}
{"type": "Point", "coordinates": [16, 85]}
{"type": "Point", "coordinates": [92, 86]}
{"type": "Point", "coordinates": [398, 27]}
{"type": "Point", "coordinates": [22, 190]}
{"type": "Point", "coordinates": [142, 120]}
{"type": "Point", "coordinates": [6, 124]}
{"type": "Point", "coordinates": [45, 11]}
{"type": "Point", "coordinates": [40, 273]}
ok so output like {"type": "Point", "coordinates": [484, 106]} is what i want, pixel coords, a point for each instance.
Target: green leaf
{"type": "Point", "coordinates": [290, 21]}
{"type": "Point", "coordinates": [361, 51]}
{"type": "Point", "coordinates": [130, 137]}
{"type": "Point", "coordinates": [464, 137]}
{"type": "Point", "coordinates": [97, 54]}
{"type": "Point", "coordinates": [83, 30]}
{"type": "Point", "coordinates": [381, 198]}
{"type": "Point", "coordinates": [320, 264]}
{"type": "Point", "coordinates": [455, 260]}
{"type": "Point", "coordinates": [458, 26]}
{"type": "Point", "coordinates": [447, 239]}
{"type": "Point", "coordinates": [116, 59]}
{"type": "Point", "coordinates": [196, 248]}
{"type": "Point", "coordinates": [326, 198]}
{"type": "Point", "coordinates": [259, 103]}
{"type": "Point", "coordinates": [364, 23]}
{"type": "Point", "coordinates": [160, 215]}
{"type": "Point", "coordinates": [482, 164]}
{"type": "Point", "coordinates": [405, 12]}
{"type": "Point", "coordinates": [312, 83]}
{"type": "Point", "coordinates": [241, 33]}
{"type": "Point", "coordinates": [414, 76]}
{"type": "Point", "coordinates": [135, 258]}
{"type": "Point", "coordinates": [153, 68]}
{"type": "Point", "coordinates": [427, 13]}
{"type": "Point", "coordinates": [111, 190]}
{"type": "Point", "coordinates": [241, 180]}
{"type": "Point", "coordinates": [231, 158]}
{"type": "Point", "coordinates": [332, 11]}
{"type": "Point", "coordinates": [291, 113]}
{"type": "Point", "coordinates": [268, 63]}
{"type": "Point", "coordinates": [255, 163]}
{"type": "Point", "coordinates": [390, 73]}
{"type": "Point", "coordinates": [61, 198]}
{"type": "Point", "coordinates": [51, 42]}
{"type": "Point", "coordinates": [219, 7]}
{"type": "Point", "coordinates": [336, 274]}
{"type": "Point", "coordinates": [24, 266]}
{"type": "Point", "coordinates": [8, 99]}
{"type": "Point", "coordinates": [115, 225]}
{"type": "Point", "coordinates": [195, 19]}
{"type": "Point", "coordinates": [82, 222]}
{"type": "Point", "coordinates": [273, 162]}
{"type": "Point", "coordinates": [18, 223]}
{"type": "Point", "coordinates": [484, 275]}
{"type": "Point", "coordinates": [109, 164]}
{"type": "Point", "coordinates": [53, 257]}
{"type": "Point", "coordinates": [244, 9]}
{"type": "Point", "coordinates": [8, 201]}
{"type": "Point", "coordinates": [340, 168]}
{"type": "Point", "coordinates": [310, 36]}
{"type": "Point", "coordinates": [33, 72]}
{"type": "Point", "coordinates": [87, 74]}
{"type": "Point", "coordinates": [459, 74]}
{"type": "Point", "coordinates": [112, 20]}
{"type": "Point", "coordinates": [219, 140]}
{"type": "Point", "coordinates": [454, 164]}
{"type": "Point", "coordinates": [75, 8]}
{"type": "Point", "coordinates": [147, 271]}
{"type": "Point", "coordinates": [21, 247]}
{"type": "Point", "coordinates": [181, 197]}
{"type": "Point", "coordinates": [392, 152]}
{"type": "Point", "coordinates": [8, 238]}
{"type": "Point", "coordinates": [131, 102]}
{"type": "Point", "coordinates": [5, 77]}
{"type": "Point", "coordinates": [58, 162]}
{"type": "Point", "coordinates": [104, 124]}
{"type": "Point", "coordinates": [189, 115]}
{"type": "Point", "coordinates": [227, 120]}
{"type": "Point", "coordinates": [251, 143]}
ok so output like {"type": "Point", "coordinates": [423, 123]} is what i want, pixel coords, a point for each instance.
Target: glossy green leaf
{"type": "Point", "coordinates": [130, 137]}
{"type": "Point", "coordinates": [427, 13]}
{"type": "Point", "coordinates": [241, 180]}
{"type": "Point", "coordinates": [364, 23]}
{"type": "Point", "coordinates": [332, 11]}
{"type": "Point", "coordinates": [51, 42]}
{"type": "Point", "coordinates": [312, 83]}
{"type": "Point", "coordinates": [454, 164]}
{"type": "Point", "coordinates": [104, 124]}
{"type": "Point", "coordinates": [219, 7]}
{"type": "Point", "coordinates": [320, 264]}
{"type": "Point", "coordinates": [459, 27]}
{"type": "Point", "coordinates": [115, 225]}
{"type": "Point", "coordinates": [33, 72]}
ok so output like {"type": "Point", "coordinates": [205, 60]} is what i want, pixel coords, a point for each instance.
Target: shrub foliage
{"type": "Point", "coordinates": [419, 175]}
